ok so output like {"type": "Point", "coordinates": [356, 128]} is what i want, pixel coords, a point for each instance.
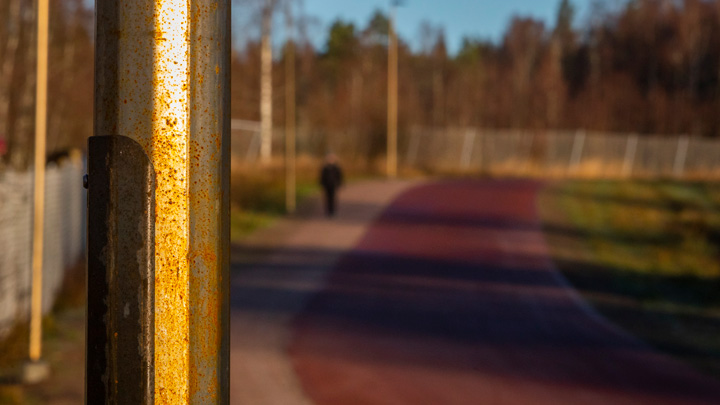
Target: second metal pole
{"type": "Point", "coordinates": [392, 120]}
{"type": "Point", "coordinates": [290, 152]}
{"type": "Point", "coordinates": [39, 183]}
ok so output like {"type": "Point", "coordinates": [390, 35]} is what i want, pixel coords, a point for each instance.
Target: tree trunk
{"type": "Point", "coordinates": [20, 141]}
{"type": "Point", "coordinates": [9, 56]}
{"type": "Point", "coordinates": [58, 136]}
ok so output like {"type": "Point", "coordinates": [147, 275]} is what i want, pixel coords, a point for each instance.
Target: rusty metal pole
{"type": "Point", "coordinates": [158, 204]}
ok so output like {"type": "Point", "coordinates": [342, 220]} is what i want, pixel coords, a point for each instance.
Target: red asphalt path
{"type": "Point", "coordinates": [451, 298]}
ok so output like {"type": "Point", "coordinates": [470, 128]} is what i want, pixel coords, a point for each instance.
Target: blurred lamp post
{"type": "Point", "coordinates": [290, 172]}
{"type": "Point", "coordinates": [37, 370]}
{"type": "Point", "coordinates": [392, 122]}
{"type": "Point", "coordinates": [266, 107]}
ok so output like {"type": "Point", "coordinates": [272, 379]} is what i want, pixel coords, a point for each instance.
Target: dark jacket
{"type": "Point", "coordinates": [331, 176]}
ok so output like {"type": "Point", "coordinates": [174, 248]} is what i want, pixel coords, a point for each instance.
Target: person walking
{"type": "Point", "coordinates": [331, 178]}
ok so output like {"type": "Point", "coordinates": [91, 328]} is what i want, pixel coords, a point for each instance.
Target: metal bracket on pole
{"type": "Point", "coordinates": [121, 273]}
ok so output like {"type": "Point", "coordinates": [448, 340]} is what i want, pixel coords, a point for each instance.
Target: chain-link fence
{"type": "Point", "coordinates": [514, 152]}
{"type": "Point", "coordinates": [351, 146]}
{"type": "Point", "coordinates": [558, 154]}
{"type": "Point", "coordinates": [63, 237]}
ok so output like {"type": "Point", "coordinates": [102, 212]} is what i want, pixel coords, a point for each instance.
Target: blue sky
{"type": "Point", "coordinates": [479, 18]}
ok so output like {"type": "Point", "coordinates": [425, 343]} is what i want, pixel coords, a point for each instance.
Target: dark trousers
{"type": "Point", "coordinates": [330, 201]}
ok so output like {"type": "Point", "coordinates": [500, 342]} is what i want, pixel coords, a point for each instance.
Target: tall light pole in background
{"type": "Point", "coordinates": [290, 173]}
{"type": "Point", "coordinates": [36, 370]}
{"type": "Point", "coordinates": [392, 120]}
{"type": "Point", "coordinates": [266, 120]}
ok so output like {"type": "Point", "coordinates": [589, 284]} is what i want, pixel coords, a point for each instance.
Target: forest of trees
{"type": "Point", "coordinates": [650, 66]}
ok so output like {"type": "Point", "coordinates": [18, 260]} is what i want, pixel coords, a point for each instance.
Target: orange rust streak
{"type": "Point", "coordinates": [170, 157]}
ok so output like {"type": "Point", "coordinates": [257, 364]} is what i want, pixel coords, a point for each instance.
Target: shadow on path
{"type": "Point", "coordinates": [451, 298]}
{"type": "Point", "coordinates": [275, 272]}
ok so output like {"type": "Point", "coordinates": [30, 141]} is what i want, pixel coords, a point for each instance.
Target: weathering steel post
{"type": "Point", "coordinates": [158, 207]}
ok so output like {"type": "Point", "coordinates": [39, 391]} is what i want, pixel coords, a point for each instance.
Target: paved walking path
{"type": "Point", "coordinates": [275, 273]}
{"type": "Point", "coordinates": [450, 297]}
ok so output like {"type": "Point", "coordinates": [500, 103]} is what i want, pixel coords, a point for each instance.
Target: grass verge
{"type": "Point", "coordinates": [62, 347]}
{"type": "Point", "coordinates": [258, 194]}
{"type": "Point", "coordinates": [645, 254]}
